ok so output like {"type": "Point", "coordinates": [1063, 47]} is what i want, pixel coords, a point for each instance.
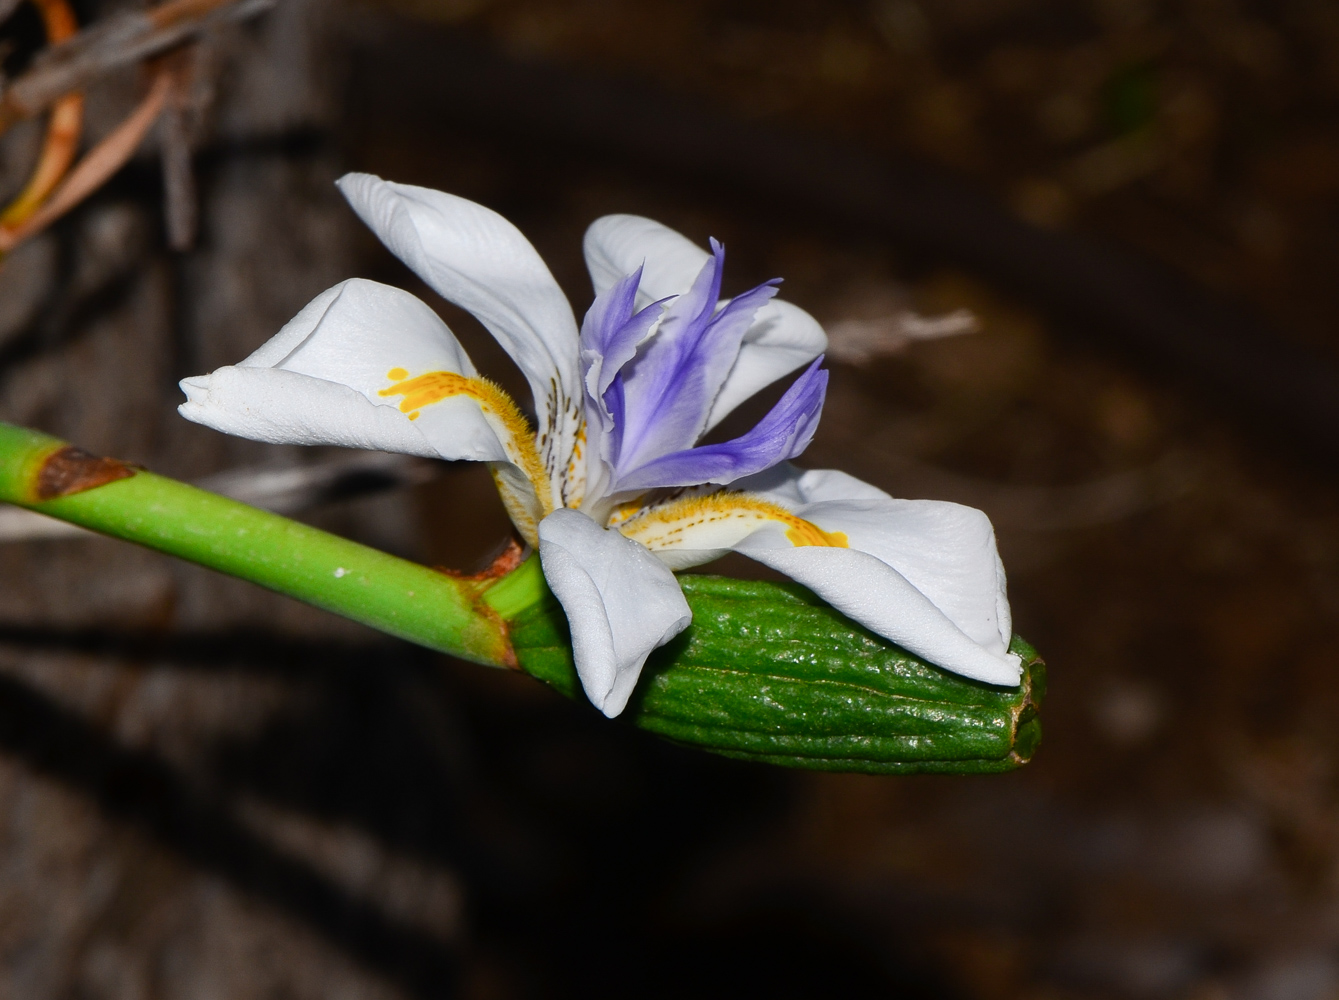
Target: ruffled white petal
{"type": "Point", "coordinates": [782, 337]}
{"type": "Point", "coordinates": [616, 245]}
{"type": "Point", "coordinates": [357, 331]}
{"type": "Point", "coordinates": [621, 603]}
{"type": "Point", "coordinates": [477, 259]}
{"type": "Point", "coordinates": [319, 380]}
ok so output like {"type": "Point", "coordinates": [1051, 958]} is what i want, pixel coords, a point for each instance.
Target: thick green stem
{"type": "Point", "coordinates": [394, 595]}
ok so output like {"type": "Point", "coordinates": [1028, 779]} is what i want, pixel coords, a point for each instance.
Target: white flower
{"type": "Point", "coordinates": [611, 488]}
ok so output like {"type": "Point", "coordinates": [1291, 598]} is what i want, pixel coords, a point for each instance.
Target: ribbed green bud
{"type": "Point", "coordinates": [768, 672]}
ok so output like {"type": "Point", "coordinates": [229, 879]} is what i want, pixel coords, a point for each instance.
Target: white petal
{"type": "Point", "coordinates": [782, 338]}
{"type": "Point", "coordinates": [357, 331]}
{"type": "Point", "coordinates": [616, 245]}
{"type": "Point", "coordinates": [319, 380]}
{"type": "Point", "coordinates": [477, 259]}
{"type": "Point", "coordinates": [621, 603]}
{"type": "Point", "coordinates": [922, 573]}
{"type": "Point", "coordinates": [266, 404]}
{"type": "Point", "coordinates": [789, 486]}
{"type": "Point", "coordinates": [945, 550]}
{"type": "Point", "coordinates": [873, 593]}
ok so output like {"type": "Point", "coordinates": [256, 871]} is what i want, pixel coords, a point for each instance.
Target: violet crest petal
{"type": "Point", "coordinates": [782, 338]}
{"type": "Point", "coordinates": [783, 433]}
{"type": "Point", "coordinates": [670, 387]}
{"type": "Point", "coordinates": [607, 315]}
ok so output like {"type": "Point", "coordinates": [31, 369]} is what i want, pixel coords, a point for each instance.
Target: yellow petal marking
{"type": "Point", "coordinates": [574, 483]}
{"type": "Point", "coordinates": [666, 526]}
{"type": "Point", "coordinates": [499, 408]}
{"type": "Point", "coordinates": [624, 512]}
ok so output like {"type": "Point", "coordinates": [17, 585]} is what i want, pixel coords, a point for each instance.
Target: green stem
{"type": "Point", "coordinates": [394, 595]}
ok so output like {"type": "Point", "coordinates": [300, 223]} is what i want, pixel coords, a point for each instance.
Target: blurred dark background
{"type": "Point", "coordinates": [209, 791]}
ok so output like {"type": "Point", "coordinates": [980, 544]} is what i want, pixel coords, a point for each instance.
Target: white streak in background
{"type": "Point", "coordinates": [856, 341]}
{"type": "Point", "coordinates": [285, 490]}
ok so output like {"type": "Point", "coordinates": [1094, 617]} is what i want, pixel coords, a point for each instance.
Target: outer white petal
{"type": "Point", "coordinates": [621, 603]}
{"type": "Point", "coordinates": [267, 404]}
{"type": "Point", "coordinates": [879, 597]}
{"type": "Point", "coordinates": [782, 338]}
{"type": "Point", "coordinates": [477, 259]}
{"type": "Point", "coordinates": [925, 574]}
{"type": "Point", "coordinates": [790, 486]}
{"type": "Point", "coordinates": [318, 380]}
{"type": "Point", "coordinates": [945, 550]}
{"type": "Point", "coordinates": [616, 245]}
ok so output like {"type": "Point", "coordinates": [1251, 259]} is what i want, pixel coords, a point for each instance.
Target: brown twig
{"type": "Point", "coordinates": [63, 130]}
{"type": "Point", "coordinates": [113, 43]}
{"type": "Point", "coordinates": [102, 161]}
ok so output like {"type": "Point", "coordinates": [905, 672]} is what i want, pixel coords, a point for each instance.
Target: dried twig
{"type": "Point", "coordinates": [179, 197]}
{"type": "Point", "coordinates": [113, 43]}
{"type": "Point", "coordinates": [102, 161]}
{"type": "Point", "coordinates": [63, 130]}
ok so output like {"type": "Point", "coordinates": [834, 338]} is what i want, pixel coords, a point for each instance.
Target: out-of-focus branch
{"type": "Point", "coordinates": [63, 130]}
{"type": "Point", "coordinates": [113, 43]}
{"type": "Point", "coordinates": [179, 196]}
{"type": "Point", "coordinates": [8, 7]}
{"type": "Point", "coordinates": [93, 170]}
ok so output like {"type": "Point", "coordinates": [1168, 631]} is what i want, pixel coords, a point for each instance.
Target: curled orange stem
{"type": "Point", "coordinates": [63, 127]}
{"type": "Point", "coordinates": [103, 160]}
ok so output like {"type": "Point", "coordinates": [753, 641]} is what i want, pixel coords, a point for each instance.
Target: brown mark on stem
{"type": "Point", "coordinates": [511, 556]}
{"type": "Point", "coordinates": [478, 583]}
{"type": "Point", "coordinates": [72, 470]}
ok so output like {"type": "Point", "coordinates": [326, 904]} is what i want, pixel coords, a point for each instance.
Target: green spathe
{"type": "Point", "coordinates": [768, 672]}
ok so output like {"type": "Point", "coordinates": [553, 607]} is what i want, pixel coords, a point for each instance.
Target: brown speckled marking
{"type": "Point", "coordinates": [73, 470]}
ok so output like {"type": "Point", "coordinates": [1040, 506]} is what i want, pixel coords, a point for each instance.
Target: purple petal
{"type": "Point", "coordinates": [671, 384]}
{"type": "Point", "coordinates": [608, 313]}
{"type": "Point", "coordinates": [784, 433]}
{"type": "Point", "coordinates": [611, 332]}
{"type": "Point", "coordinates": [610, 335]}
